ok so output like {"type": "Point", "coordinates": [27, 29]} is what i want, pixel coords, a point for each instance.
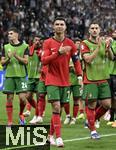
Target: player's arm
{"type": "Point", "coordinates": [110, 54]}
{"type": "Point", "coordinates": [39, 53]}
{"type": "Point", "coordinates": [77, 64]}
{"type": "Point", "coordinates": [86, 53]}
{"type": "Point", "coordinates": [109, 51]}
{"type": "Point", "coordinates": [114, 55]}
{"type": "Point", "coordinates": [47, 56]}
{"type": "Point", "coordinates": [5, 60]}
{"type": "Point", "coordinates": [23, 59]}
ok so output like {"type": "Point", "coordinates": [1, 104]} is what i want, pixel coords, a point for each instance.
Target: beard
{"type": "Point", "coordinates": [37, 46]}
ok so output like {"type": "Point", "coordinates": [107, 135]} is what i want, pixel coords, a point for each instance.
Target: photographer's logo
{"type": "Point", "coordinates": [24, 136]}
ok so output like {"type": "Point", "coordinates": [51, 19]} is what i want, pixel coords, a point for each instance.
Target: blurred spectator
{"type": "Point", "coordinates": [35, 17]}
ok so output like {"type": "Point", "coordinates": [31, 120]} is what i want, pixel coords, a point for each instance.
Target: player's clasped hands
{"type": "Point", "coordinates": [108, 42]}
{"type": "Point", "coordinates": [15, 54]}
{"type": "Point", "coordinates": [100, 40]}
{"type": "Point", "coordinates": [11, 54]}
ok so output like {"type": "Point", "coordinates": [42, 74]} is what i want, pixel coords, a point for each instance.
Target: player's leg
{"type": "Point", "coordinates": [30, 99]}
{"type": "Point", "coordinates": [81, 110]}
{"type": "Point", "coordinates": [9, 108]}
{"type": "Point", "coordinates": [90, 94]}
{"type": "Point", "coordinates": [66, 107]}
{"type": "Point", "coordinates": [30, 102]}
{"type": "Point", "coordinates": [114, 107]}
{"type": "Point", "coordinates": [22, 98]}
{"type": "Point", "coordinates": [28, 110]}
{"type": "Point", "coordinates": [44, 107]}
{"type": "Point", "coordinates": [9, 88]}
{"type": "Point", "coordinates": [65, 101]}
{"type": "Point", "coordinates": [105, 100]}
{"type": "Point", "coordinates": [21, 89]}
{"type": "Point", "coordinates": [97, 122]}
{"type": "Point", "coordinates": [32, 88]}
{"type": "Point", "coordinates": [41, 94]}
{"type": "Point", "coordinates": [31, 84]}
{"type": "Point", "coordinates": [113, 99]}
{"type": "Point", "coordinates": [53, 93]}
{"type": "Point", "coordinates": [76, 97]}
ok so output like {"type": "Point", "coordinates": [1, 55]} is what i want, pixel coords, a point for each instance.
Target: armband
{"type": "Point", "coordinates": [75, 57]}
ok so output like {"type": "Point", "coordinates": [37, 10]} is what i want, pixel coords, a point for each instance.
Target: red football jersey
{"type": "Point", "coordinates": [58, 65]}
{"type": "Point", "coordinates": [44, 70]}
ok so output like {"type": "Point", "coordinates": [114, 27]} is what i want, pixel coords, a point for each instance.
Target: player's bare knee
{"type": "Point", "coordinates": [56, 107]}
{"type": "Point", "coordinates": [28, 97]}
{"type": "Point", "coordinates": [22, 97]}
{"type": "Point", "coordinates": [92, 105]}
{"type": "Point", "coordinates": [107, 105]}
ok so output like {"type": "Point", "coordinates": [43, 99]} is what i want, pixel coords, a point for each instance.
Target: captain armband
{"type": "Point", "coordinates": [75, 57]}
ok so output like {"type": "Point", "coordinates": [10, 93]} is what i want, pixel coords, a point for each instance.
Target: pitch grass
{"type": "Point", "coordinates": [69, 132]}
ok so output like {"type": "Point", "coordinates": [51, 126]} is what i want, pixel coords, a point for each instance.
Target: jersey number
{"type": "Point", "coordinates": [24, 85]}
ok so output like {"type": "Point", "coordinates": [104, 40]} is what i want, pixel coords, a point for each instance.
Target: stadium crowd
{"type": "Point", "coordinates": [46, 62]}
{"type": "Point", "coordinates": [33, 16]}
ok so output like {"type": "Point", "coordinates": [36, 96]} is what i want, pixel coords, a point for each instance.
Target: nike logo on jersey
{"type": "Point", "coordinates": [53, 49]}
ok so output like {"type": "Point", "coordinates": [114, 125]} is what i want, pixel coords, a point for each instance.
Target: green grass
{"type": "Point", "coordinates": [69, 132]}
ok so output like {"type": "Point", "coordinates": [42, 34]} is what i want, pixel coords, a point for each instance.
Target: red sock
{"type": "Point", "coordinates": [22, 107]}
{"type": "Point", "coordinates": [9, 110]}
{"type": "Point", "coordinates": [100, 111]}
{"type": "Point", "coordinates": [33, 103]}
{"type": "Point", "coordinates": [81, 111]}
{"type": "Point", "coordinates": [75, 110]}
{"type": "Point", "coordinates": [37, 110]}
{"type": "Point", "coordinates": [91, 118]}
{"type": "Point", "coordinates": [28, 106]}
{"type": "Point", "coordinates": [86, 109]}
{"type": "Point", "coordinates": [51, 127]}
{"type": "Point", "coordinates": [57, 124]}
{"type": "Point", "coordinates": [44, 105]}
{"type": "Point", "coordinates": [41, 104]}
{"type": "Point", "coordinates": [67, 108]}
{"type": "Point", "coordinates": [40, 107]}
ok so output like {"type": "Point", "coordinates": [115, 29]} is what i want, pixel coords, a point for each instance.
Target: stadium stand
{"type": "Point", "coordinates": [36, 16]}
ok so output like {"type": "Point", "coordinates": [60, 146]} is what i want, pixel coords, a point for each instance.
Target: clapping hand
{"type": "Point", "coordinates": [10, 54]}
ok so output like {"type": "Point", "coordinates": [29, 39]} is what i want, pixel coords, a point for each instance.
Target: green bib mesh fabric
{"type": "Point", "coordinates": [113, 63]}
{"type": "Point", "coordinates": [15, 68]}
{"type": "Point", "coordinates": [98, 69]}
{"type": "Point", "coordinates": [73, 76]}
{"type": "Point", "coordinates": [33, 66]}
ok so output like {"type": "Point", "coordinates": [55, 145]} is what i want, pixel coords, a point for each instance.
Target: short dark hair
{"type": "Point", "coordinates": [60, 18]}
{"type": "Point", "coordinates": [76, 39]}
{"type": "Point", "coordinates": [36, 35]}
{"type": "Point", "coordinates": [94, 22]}
{"type": "Point", "coordinates": [14, 29]}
